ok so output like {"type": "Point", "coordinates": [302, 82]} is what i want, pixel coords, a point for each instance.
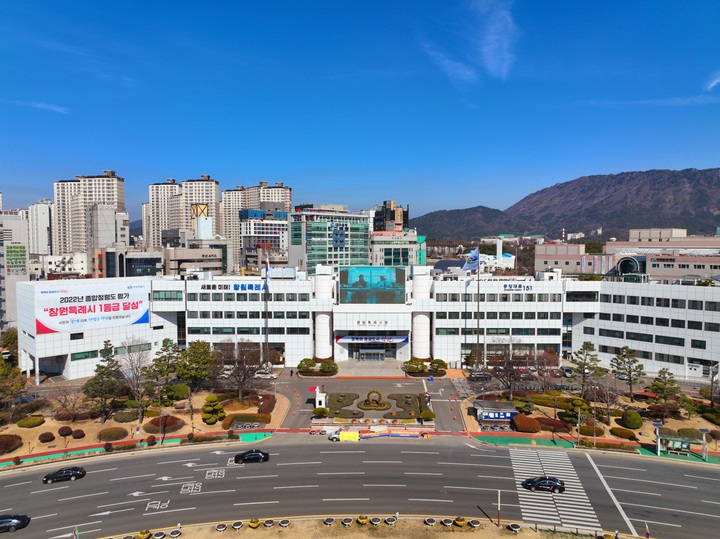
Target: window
{"type": "Point", "coordinates": [693, 324]}
{"type": "Point", "coordinates": [523, 331]}
{"type": "Point", "coordinates": [229, 296]}
{"type": "Point", "coordinates": [466, 316]}
{"type": "Point", "coordinates": [504, 298]}
{"type": "Point", "coordinates": [455, 297]}
{"type": "Point", "coordinates": [662, 302]}
{"type": "Point", "coordinates": [571, 297]}
{"type": "Point", "coordinates": [291, 297]}
{"type": "Point", "coordinates": [605, 298]}
{"type": "Point", "coordinates": [663, 322]}
{"type": "Point", "coordinates": [241, 297]}
{"type": "Point", "coordinates": [695, 305]}
{"type": "Point", "coordinates": [248, 331]}
{"type": "Point", "coordinates": [618, 299]}
{"type": "Point", "coordinates": [555, 316]}
{"type": "Point", "coordinates": [83, 355]}
{"type": "Point", "coordinates": [673, 341]}
{"type": "Point", "coordinates": [229, 314]}
{"type": "Point", "coordinates": [644, 337]}
{"type": "Point", "coordinates": [669, 358]}
{"type": "Point", "coordinates": [543, 297]}
{"type": "Point", "coordinates": [587, 330]}
{"type": "Point", "coordinates": [254, 315]}
{"type": "Point", "coordinates": [441, 297]}
{"type": "Point", "coordinates": [192, 296]}
{"type": "Point", "coordinates": [711, 326]}
{"type": "Point", "coordinates": [548, 331]}
{"type": "Point", "coordinates": [217, 296]}
{"type": "Point", "coordinates": [712, 306]}
{"type": "Point", "coordinates": [611, 333]}
{"type": "Point", "coordinates": [192, 314]}
{"type": "Point", "coordinates": [677, 323]}
{"type": "Point", "coordinates": [204, 296]}
{"type": "Point", "coordinates": [517, 316]}
{"type": "Point", "coordinates": [543, 316]}
{"type": "Point", "coordinates": [241, 314]}
{"type": "Point", "coordinates": [467, 297]}
{"type": "Point", "coordinates": [198, 331]}
{"type": "Point", "coordinates": [647, 302]}
{"type": "Point", "coordinates": [479, 315]}
{"type": "Point", "coordinates": [441, 316]}
{"type": "Point", "coordinates": [529, 315]}
{"type": "Point", "coordinates": [76, 336]}
{"type": "Point", "coordinates": [492, 316]}
{"type": "Point", "coordinates": [447, 331]}
{"type": "Point", "coordinates": [217, 314]}
{"type": "Point", "coordinates": [700, 345]}
{"type": "Point", "coordinates": [454, 315]}
{"type": "Point", "coordinates": [504, 316]}
{"type": "Point", "coordinates": [223, 331]}
{"type": "Point", "coordinates": [632, 319]}
{"type": "Point", "coordinates": [498, 331]}
{"type": "Point", "coordinates": [647, 320]}
{"type": "Point", "coordinates": [678, 303]}
{"type": "Point", "coordinates": [204, 314]}
{"type": "Point", "coordinates": [278, 314]}
{"type": "Point", "coordinates": [304, 315]}
{"type": "Point", "coordinates": [304, 297]}
{"type": "Point", "coordinates": [298, 331]}
{"type": "Point", "coordinates": [167, 295]}
{"type": "Point", "coordinates": [604, 316]}
{"type": "Point", "coordinates": [254, 297]}
{"type": "Point", "coordinates": [617, 317]}
{"type": "Point", "coordinates": [517, 297]}
{"type": "Point", "coordinates": [529, 298]}
{"type": "Point", "coordinates": [278, 297]}
{"type": "Point", "coordinates": [633, 300]}
{"type": "Point", "coordinates": [275, 331]}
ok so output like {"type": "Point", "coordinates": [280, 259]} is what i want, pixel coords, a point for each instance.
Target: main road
{"type": "Point", "coordinates": [450, 475]}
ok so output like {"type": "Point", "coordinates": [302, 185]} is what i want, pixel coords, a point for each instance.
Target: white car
{"type": "Point", "coordinates": [266, 375]}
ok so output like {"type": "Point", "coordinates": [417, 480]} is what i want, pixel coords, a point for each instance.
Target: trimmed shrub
{"type": "Point", "coordinates": [427, 415]}
{"type": "Point", "coordinates": [320, 412]}
{"type": "Point", "coordinates": [230, 420]}
{"type": "Point", "coordinates": [64, 431]}
{"type": "Point", "coordinates": [631, 419]}
{"type": "Point", "coordinates": [9, 443]}
{"type": "Point", "coordinates": [608, 446]}
{"type": "Point", "coordinates": [31, 422]}
{"type": "Point", "coordinates": [165, 423]}
{"type": "Point", "coordinates": [523, 423]}
{"type": "Point", "coordinates": [667, 431]}
{"type": "Point", "coordinates": [16, 461]}
{"type": "Point", "coordinates": [108, 447]}
{"type": "Point", "coordinates": [620, 432]}
{"type": "Point", "coordinates": [112, 434]}
{"type": "Point", "coordinates": [715, 434]}
{"type": "Point", "coordinates": [78, 434]}
{"type": "Point", "coordinates": [178, 392]}
{"type": "Point", "coordinates": [713, 418]}
{"type": "Point", "coordinates": [587, 430]}
{"type": "Point", "coordinates": [213, 411]}
{"type": "Point", "coordinates": [689, 432]}
{"type": "Point", "coordinates": [33, 406]}
{"type": "Point", "coordinates": [152, 413]}
{"type": "Point", "coordinates": [268, 405]}
{"type": "Point", "coordinates": [150, 440]}
{"type": "Point", "coordinates": [552, 425]}
{"type": "Point", "coordinates": [46, 437]}
{"type": "Point", "coordinates": [125, 417]}
{"type": "Point", "coordinates": [62, 416]}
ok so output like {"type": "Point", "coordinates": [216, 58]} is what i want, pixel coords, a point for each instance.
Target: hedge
{"type": "Point", "coordinates": [46, 437]}
{"type": "Point", "coordinates": [713, 418]}
{"type": "Point", "coordinates": [9, 443]}
{"type": "Point", "coordinates": [78, 434]}
{"type": "Point", "coordinates": [230, 420]}
{"type": "Point", "coordinates": [608, 446]}
{"type": "Point", "coordinates": [112, 434]}
{"type": "Point", "coordinates": [31, 422]}
{"type": "Point", "coordinates": [667, 431]}
{"type": "Point", "coordinates": [552, 425]}
{"type": "Point", "coordinates": [523, 423]}
{"type": "Point", "coordinates": [126, 417]}
{"type": "Point", "coordinates": [689, 432]}
{"type": "Point", "coordinates": [587, 430]}
{"type": "Point", "coordinates": [166, 424]}
{"type": "Point", "coordinates": [620, 432]}
{"type": "Point", "coordinates": [631, 419]}
{"type": "Point", "coordinates": [64, 431]}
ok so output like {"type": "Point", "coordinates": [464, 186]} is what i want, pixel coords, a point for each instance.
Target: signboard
{"type": "Point", "coordinates": [70, 308]}
{"type": "Point", "coordinates": [372, 284]}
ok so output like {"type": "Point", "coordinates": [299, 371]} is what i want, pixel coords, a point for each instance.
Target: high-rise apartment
{"type": "Point", "coordinates": [156, 215]}
{"type": "Point", "coordinates": [73, 202]}
{"type": "Point", "coordinates": [39, 227]}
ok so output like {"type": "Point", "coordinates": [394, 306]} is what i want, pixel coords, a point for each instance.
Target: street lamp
{"type": "Point", "coordinates": [581, 418]}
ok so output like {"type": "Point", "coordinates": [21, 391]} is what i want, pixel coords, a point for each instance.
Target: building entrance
{"type": "Point", "coordinates": [370, 352]}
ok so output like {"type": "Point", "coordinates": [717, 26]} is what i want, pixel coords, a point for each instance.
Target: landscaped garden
{"type": "Point", "coordinates": [396, 408]}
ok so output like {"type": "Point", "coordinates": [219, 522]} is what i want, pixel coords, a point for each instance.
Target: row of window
{"type": "Point", "coordinates": [503, 298]}
{"type": "Point", "coordinates": [694, 305]}
{"type": "Point", "coordinates": [685, 266]}
{"type": "Point", "coordinates": [277, 315]}
{"type": "Point", "coordinates": [642, 354]}
{"type": "Point", "coordinates": [243, 296]}
{"type": "Point", "coordinates": [247, 331]}
{"type": "Point", "coordinates": [493, 315]}
{"type": "Point", "coordinates": [662, 322]}
{"type": "Point", "coordinates": [498, 331]}
{"type": "Point", "coordinates": [644, 337]}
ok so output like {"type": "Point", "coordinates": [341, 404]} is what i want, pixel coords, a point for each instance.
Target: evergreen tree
{"type": "Point", "coordinates": [159, 373]}
{"type": "Point", "coordinates": [586, 364]}
{"type": "Point", "coordinates": [666, 389]}
{"type": "Point", "coordinates": [626, 365]}
{"type": "Point", "coordinates": [104, 388]}
{"type": "Point", "coordinates": [196, 365]}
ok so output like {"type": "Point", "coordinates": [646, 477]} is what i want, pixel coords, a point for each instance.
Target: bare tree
{"type": "Point", "coordinates": [133, 361]}
{"type": "Point", "coordinates": [606, 395]}
{"type": "Point", "coordinates": [546, 366]}
{"type": "Point", "coordinates": [241, 361]}
{"type": "Point", "coordinates": [69, 400]}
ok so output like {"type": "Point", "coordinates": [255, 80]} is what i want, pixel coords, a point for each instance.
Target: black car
{"type": "Point", "coordinates": [65, 474]}
{"type": "Point", "coordinates": [252, 455]}
{"type": "Point", "coordinates": [544, 482]}
{"type": "Point", "coordinates": [479, 376]}
{"type": "Point", "coordinates": [10, 523]}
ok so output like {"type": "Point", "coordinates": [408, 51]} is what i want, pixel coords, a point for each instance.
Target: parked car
{"type": "Point", "coordinates": [334, 436]}
{"type": "Point", "coordinates": [252, 455]}
{"type": "Point", "coordinates": [567, 372]}
{"type": "Point", "coordinates": [523, 376]}
{"type": "Point", "coordinates": [544, 482]}
{"type": "Point", "coordinates": [266, 375]}
{"type": "Point", "coordinates": [476, 376]}
{"type": "Point", "coordinates": [10, 523]}
{"type": "Point", "coordinates": [65, 474]}
{"type": "Point", "coordinates": [620, 376]}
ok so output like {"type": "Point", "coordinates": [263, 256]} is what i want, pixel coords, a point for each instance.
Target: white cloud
{"type": "Point", "coordinates": [667, 102]}
{"type": "Point", "coordinates": [714, 81]}
{"type": "Point", "coordinates": [455, 70]}
{"type": "Point", "coordinates": [43, 106]}
{"type": "Point", "coordinates": [496, 41]}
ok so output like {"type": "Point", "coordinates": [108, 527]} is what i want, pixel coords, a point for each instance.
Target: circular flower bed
{"type": "Point", "coordinates": [254, 523]}
{"type": "Point", "coordinates": [363, 519]}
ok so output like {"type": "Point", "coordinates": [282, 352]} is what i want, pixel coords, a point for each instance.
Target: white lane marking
{"type": "Point", "coordinates": [420, 452]}
{"type": "Point", "coordinates": [621, 468]}
{"type": "Point", "coordinates": [710, 501]}
{"type": "Point", "coordinates": [211, 492]}
{"type": "Point", "coordinates": [47, 490]}
{"type": "Point", "coordinates": [296, 486]}
{"type": "Point", "coordinates": [346, 499]}
{"type": "Point", "coordinates": [176, 461]}
{"type": "Point", "coordinates": [339, 452]}
{"type": "Point", "coordinates": [422, 473]}
{"type": "Point", "coordinates": [639, 492]}
{"type": "Point", "coordinates": [701, 477]}
{"type": "Point", "coordinates": [18, 484]}
{"type": "Point", "coordinates": [70, 534]}
{"type": "Point", "coordinates": [133, 477]}
{"type": "Point", "coordinates": [612, 496]}
{"type": "Point", "coordinates": [296, 463]}
{"type": "Point", "coordinates": [257, 476]}
{"type": "Point", "coordinates": [480, 488]}
{"type": "Point", "coordinates": [255, 503]}
{"type": "Point", "coordinates": [429, 500]}
{"type": "Point", "coordinates": [45, 516]}
{"type": "Point", "coordinates": [81, 496]}
{"type": "Point", "coordinates": [672, 510]}
{"type": "Point", "coordinates": [473, 464]}
{"type": "Point", "coordinates": [73, 526]}
{"type": "Point", "coordinates": [103, 470]}
{"type": "Point", "coordinates": [382, 485]}
{"type": "Point", "coordinates": [169, 511]}
{"type": "Point", "coordinates": [649, 481]}
{"type": "Point", "coordinates": [341, 473]}
{"type": "Point", "coordinates": [123, 503]}
{"type": "Point", "coordinates": [382, 461]}
{"type": "Point", "coordinates": [106, 513]}
{"type": "Point", "coordinates": [658, 523]}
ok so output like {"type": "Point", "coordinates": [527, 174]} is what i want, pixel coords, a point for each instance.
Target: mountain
{"type": "Point", "coordinates": [655, 198]}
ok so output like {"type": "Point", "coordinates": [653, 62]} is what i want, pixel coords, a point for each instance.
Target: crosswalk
{"type": "Point", "coordinates": [571, 508]}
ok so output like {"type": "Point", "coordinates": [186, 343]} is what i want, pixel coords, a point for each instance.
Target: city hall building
{"type": "Point", "coordinates": [368, 313]}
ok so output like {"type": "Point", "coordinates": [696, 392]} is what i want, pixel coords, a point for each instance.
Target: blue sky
{"type": "Point", "coordinates": [437, 105]}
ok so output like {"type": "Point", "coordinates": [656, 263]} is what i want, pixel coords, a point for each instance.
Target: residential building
{"type": "Point", "coordinates": [14, 260]}
{"type": "Point", "coordinates": [39, 228]}
{"type": "Point", "coordinates": [262, 230]}
{"type": "Point", "coordinates": [156, 215]}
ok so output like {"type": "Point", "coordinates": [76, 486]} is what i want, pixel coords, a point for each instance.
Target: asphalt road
{"type": "Point", "coordinates": [447, 475]}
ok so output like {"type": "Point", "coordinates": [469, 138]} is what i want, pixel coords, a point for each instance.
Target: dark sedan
{"type": "Point", "coordinates": [476, 376]}
{"type": "Point", "coordinates": [65, 474]}
{"type": "Point", "coordinates": [252, 455]}
{"type": "Point", "coordinates": [10, 523]}
{"type": "Point", "coordinates": [544, 482]}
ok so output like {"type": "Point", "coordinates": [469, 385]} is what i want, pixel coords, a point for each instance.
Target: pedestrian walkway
{"type": "Point", "coordinates": [571, 509]}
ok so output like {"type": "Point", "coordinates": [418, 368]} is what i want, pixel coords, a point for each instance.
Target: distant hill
{"type": "Point", "coordinates": [136, 228]}
{"type": "Point", "coordinates": [655, 198]}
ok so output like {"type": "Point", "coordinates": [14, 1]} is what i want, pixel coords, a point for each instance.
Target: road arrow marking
{"type": "Point", "coordinates": [167, 478]}
{"type": "Point", "coordinates": [106, 513]}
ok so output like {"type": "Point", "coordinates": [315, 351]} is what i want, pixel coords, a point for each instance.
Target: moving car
{"type": "Point", "coordinates": [479, 376]}
{"type": "Point", "coordinates": [265, 375]}
{"type": "Point", "coordinates": [334, 436]}
{"type": "Point", "coordinates": [544, 482]}
{"type": "Point", "coordinates": [10, 523]}
{"type": "Point", "coordinates": [252, 455]}
{"type": "Point", "coordinates": [65, 474]}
